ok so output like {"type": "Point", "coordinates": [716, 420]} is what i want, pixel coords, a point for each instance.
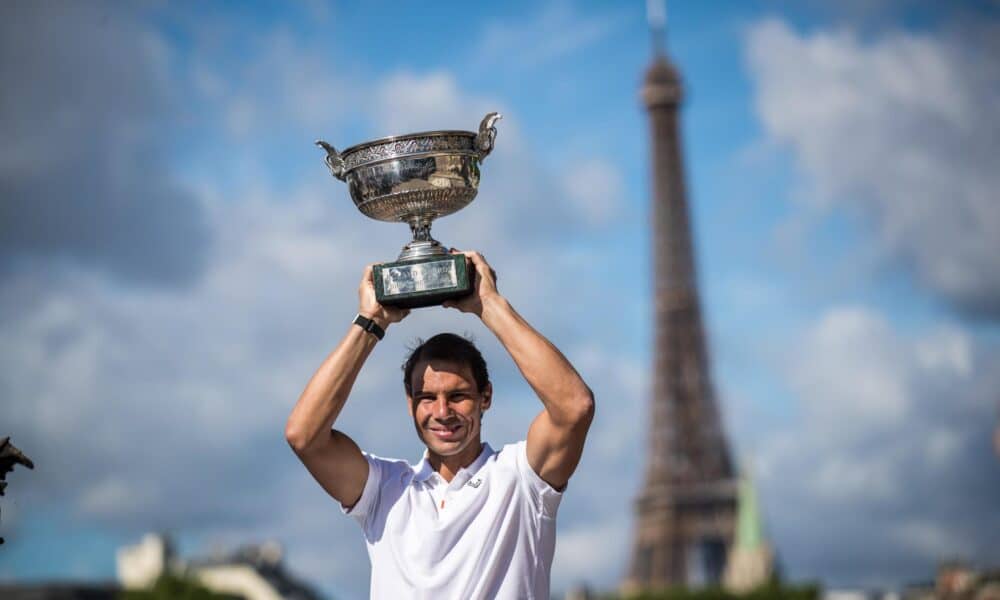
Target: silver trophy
{"type": "Point", "coordinates": [415, 179]}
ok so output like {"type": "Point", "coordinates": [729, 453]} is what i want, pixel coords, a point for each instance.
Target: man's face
{"type": "Point", "coordinates": [446, 407]}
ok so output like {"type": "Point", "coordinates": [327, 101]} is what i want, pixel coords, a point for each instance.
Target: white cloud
{"type": "Point", "coordinates": [900, 130]}
{"type": "Point", "coordinates": [582, 553]}
{"type": "Point", "coordinates": [406, 101]}
{"type": "Point", "coordinates": [112, 496]}
{"type": "Point", "coordinates": [860, 377]}
{"type": "Point", "coordinates": [86, 106]}
{"type": "Point", "coordinates": [595, 187]}
{"type": "Point", "coordinates": [552, 33]}
{"type": "Point", "coordinates": [932, 540]}
{"type": "Point", "coordinates": [157, 409]}
{"type": "Point", "coordinates": [281, 84]}
{"type": "Point", "coordinates": [888, 453]}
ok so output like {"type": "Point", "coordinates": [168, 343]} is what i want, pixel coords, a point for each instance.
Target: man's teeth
{"type": "Point", "coordinates": [445, 430]}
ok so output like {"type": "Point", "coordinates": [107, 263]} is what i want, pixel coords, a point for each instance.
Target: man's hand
{"type": "Point", "coordinates": [556, 436]}
{"type": "Point", "coordinates": [484, 285]}
{"type": "Point", "coordinates": [369, 307]}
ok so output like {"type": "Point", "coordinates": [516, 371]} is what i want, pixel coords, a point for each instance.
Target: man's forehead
{"type": "Point", "coordinates": [438, 369]}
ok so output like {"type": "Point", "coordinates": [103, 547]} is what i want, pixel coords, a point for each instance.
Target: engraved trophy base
{"type": "Point", "coordinates": [419, 282]}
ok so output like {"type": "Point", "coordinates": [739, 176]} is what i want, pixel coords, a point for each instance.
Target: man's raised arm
{"type": "Point", "coordinates": [556, 436]}
{"type": "Point", "coordinates": [333, 458]}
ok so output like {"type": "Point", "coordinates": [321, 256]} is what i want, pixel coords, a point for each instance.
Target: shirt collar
{"type": "Point", "coordinates": [423, 469]}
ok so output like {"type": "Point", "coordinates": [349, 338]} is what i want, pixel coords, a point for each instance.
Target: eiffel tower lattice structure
{"type": "Point", "coordinates": [686, 510]}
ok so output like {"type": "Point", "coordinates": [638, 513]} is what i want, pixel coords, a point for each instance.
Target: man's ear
{"type": "Point", "coordinates": [487, 396]}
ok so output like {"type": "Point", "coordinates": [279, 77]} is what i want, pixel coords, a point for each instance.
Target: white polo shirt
{"type": "Point", "coordinates": [489, 533]}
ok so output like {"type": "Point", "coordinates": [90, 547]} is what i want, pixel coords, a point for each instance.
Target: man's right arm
{"type": "Point", "coordinates": [332, 457]}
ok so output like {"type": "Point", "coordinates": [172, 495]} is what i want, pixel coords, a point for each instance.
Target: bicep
{"type": "Point", "coordinates": [339, 467]}
{"type": "Point", "coordinates": [554, 450]}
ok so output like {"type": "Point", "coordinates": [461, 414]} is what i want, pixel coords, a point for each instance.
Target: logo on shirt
{"type": "Point", "coordinates": [475, 483]}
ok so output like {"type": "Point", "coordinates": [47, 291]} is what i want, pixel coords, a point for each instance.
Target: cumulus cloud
{"type": "Point", "coordinates": [84, 116]}
{"type": "Point", "coordinates": [158, 411]}
{"type": "Point", "coordinates": [406, 101]}
{"type": "Point", "coordinates": [555, 31]}
{"type": "Point", "coordinates": [280, 83]}
{"type": "Point", "coordinates": [900, 130]}
{"type": "Point", "coordinates": [150, 409]}
{"type": "Point", "coordinates": [594, 187]}
{"type": "Point", "coordinates": [888, 461]}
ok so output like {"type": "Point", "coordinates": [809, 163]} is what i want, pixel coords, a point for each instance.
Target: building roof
{"type": "Point", "coordinates": [266, 560]}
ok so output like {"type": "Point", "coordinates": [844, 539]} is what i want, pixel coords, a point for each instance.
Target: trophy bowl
{"type": "Point", "coordinates": [414, 179]}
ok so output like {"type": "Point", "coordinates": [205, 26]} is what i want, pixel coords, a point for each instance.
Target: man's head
{"type": "Point", "coordinates": [448, 388]}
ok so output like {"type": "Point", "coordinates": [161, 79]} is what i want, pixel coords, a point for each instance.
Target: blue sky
{"type": "Point", "coordinates": [175, 262]}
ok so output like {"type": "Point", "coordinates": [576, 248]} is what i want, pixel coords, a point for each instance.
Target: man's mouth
{"type": "Point", "coordinates": [446, 432]}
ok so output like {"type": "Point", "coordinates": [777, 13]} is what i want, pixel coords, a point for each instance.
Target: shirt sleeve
{"type": "Point", "coordinates": [544, 497]}
{"type": "Point", "coordinates": [368, 501]}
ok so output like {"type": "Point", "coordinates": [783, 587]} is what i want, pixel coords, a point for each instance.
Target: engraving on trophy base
{"type": "Point", "coordinates": [422, 282]}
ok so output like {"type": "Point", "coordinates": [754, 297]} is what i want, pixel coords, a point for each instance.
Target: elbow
{"type": "Point", "coordinates": [583, 409]}
{"type": "Point", "coordinates": [298, 439]}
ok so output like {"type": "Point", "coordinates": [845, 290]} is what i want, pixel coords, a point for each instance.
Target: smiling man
{"type": "Point", "coordinates": [467, 521]}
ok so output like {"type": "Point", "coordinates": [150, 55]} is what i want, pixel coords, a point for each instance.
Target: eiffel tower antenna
{"type": "Point", "coordinates": [656, 13]}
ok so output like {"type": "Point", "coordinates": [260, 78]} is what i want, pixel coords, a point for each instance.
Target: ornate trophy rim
{"type": "Point", "coordinates": [408, 136]}
{"type": "Point", "coordinates": [469, 143]}
{"type": "Point", "coordinates": [411, 145]}
{"type": "Point", "coordinates": [415, 177]}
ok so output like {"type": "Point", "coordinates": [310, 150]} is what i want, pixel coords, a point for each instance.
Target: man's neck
{"type": "Point", "coordinates": [449, 466]}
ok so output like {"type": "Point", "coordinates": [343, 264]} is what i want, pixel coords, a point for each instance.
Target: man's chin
{"type": "Point", "coordinates": [442, 448]}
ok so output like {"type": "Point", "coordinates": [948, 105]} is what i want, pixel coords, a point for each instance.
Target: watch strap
{"type": "Point", "coordinates": [369, 325]}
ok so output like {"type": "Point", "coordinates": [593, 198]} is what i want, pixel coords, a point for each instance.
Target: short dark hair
{"type": "Point", "coordinates": [447, 347]}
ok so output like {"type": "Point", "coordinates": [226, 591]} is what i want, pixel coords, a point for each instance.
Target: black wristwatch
{"type": "Point", "coordinates": [369, 325]}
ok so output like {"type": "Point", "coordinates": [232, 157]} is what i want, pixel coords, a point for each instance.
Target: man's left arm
{"type": "Point", "coordinates": [556, 436]}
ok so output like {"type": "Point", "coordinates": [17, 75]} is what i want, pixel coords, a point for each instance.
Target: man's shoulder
{"type": "Point", "coordinates": [390, 469]}
{"type": "Point", "coordinates": [510, 450]}
{"type": "Point", "coordinates": [509, 456]}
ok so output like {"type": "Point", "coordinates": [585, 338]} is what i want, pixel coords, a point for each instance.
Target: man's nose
{"type": "Point", "coordinates": [441, 408]}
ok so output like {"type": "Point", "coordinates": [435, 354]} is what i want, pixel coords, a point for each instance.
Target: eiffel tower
{"type": "Point", "coordinates": [686, 511]}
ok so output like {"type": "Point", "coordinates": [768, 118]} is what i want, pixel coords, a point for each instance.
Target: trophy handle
{"type": "Point", "coordinates": [487, 134]}
{"type": "Point", "coordinates": [333, 160]}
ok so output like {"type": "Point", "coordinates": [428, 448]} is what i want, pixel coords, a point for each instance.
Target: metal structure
{"type": "Point", "coordinates": [10, 456]}
{"type": "Point", "coordinates": [686, 511]}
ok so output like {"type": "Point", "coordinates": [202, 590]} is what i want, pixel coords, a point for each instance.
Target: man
{"type": "Point", "coordinates": [466, 521]}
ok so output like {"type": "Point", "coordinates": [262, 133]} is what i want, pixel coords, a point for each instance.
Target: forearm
{"type": "Point", "coordinates": [327, 391]}
{"type": "Point", "coordinates": [566, 397]}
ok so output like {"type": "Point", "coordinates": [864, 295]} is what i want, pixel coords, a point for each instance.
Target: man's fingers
{"type": "Point", "coordinates": [483, 268]}
{"type": "Point", "coordinates": [476, 257]}
{"type": "Point", "coordinates": [480, 262]}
